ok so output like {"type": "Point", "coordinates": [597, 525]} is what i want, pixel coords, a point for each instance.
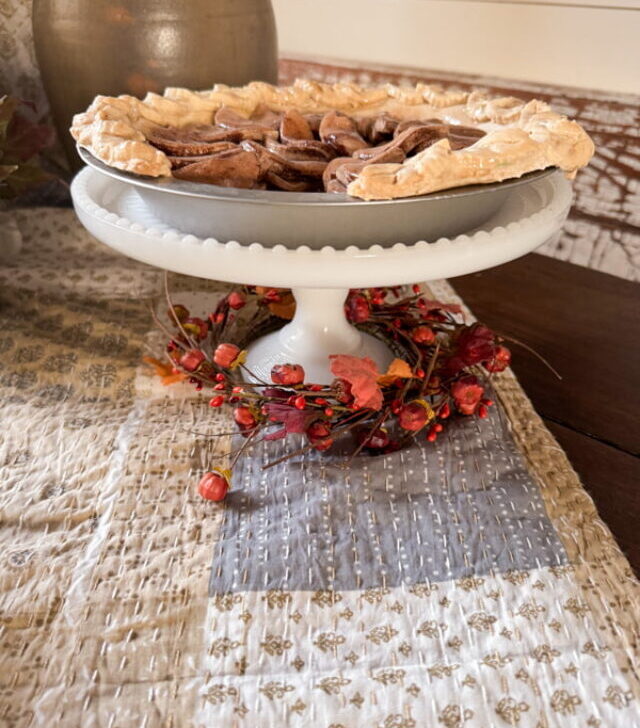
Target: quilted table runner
{"type": "Point", "coordinates": [467, 583]}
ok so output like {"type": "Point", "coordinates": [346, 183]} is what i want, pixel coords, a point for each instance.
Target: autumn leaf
{"type": "Point", "coordinates": [6, 170]}
{"type": "Point", "coordinates": [23, 178]}
{"type": "Point", "coordinates": [20, 141]}
{"type": "Point", "coordinates": [362, 374]}
{"type": "Point", "coordinates": [8, 106]}
{"type": "Point", "coordinates": [285, 308]}
{"type": "Point", "coordinates": [24, 139]}
{"type": "Point", "coordinates": [294, 420]}
{"type": "Point", "coordinates": [164, 371]}
{"type": "Point", "coordinates": [398, 369]}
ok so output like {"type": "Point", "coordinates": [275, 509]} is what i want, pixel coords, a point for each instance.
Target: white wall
{"type": "Point", "coordinates": [588, 43]}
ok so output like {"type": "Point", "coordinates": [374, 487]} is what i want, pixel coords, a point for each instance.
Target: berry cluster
{"type": "Point", "coordinates": [441, 370]}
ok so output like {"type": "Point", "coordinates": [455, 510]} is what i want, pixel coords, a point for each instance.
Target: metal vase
{"type": "Point", "coordinates": [111, 47]}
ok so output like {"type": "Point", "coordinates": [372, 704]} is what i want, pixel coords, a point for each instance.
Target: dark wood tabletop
{"type": "Point", "coordinates": [587, 325]}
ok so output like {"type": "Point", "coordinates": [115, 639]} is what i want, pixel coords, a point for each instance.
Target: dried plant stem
{"type": "Point", "coordinates": [362, 445]}
{"type": "Point", "coordinates": [430, 368]}
{"type": "Point", "coordinates": [309, 446]}
{"type": "Point", "coordinates": [534, 352]}
{"type": "Point", "coordinates": [192, 343]}
{"type": "Point", "coordinates": [164, 329]}
{"type": "Point", "coordinates": [244, 446]}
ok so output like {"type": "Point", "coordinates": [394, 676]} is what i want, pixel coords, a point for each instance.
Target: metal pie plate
{"type": "Point", "coordinates": [315, 219]}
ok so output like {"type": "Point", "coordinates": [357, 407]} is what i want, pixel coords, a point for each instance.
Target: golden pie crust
{"type": "Point", "coordinates": [520, 136]}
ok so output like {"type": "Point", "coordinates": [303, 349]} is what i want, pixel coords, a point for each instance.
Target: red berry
{"type": "Point", "coordinates": [236, 300]}
{"type": "Point", "coordinates": [420, 373]}
{"type": "Point", "coordinates": [445, 411]}
{"type": "Point", "coordinates": [438, 427]}
{"type": "Point", "coordinates": [396, 406]}
{"type": "Point", "coordinates": [288, 375]}
{"type": "Point", "coordinates": [217, 401]}
{"type": "Point", "coordinates": [220, 377]}
{"type": "Point", "coordinates": [316, 387]}
{"type": "Point", "coordinates": [432, 435]}
{"type": "Point", "coordinates": [219, 318]}
{"type": "Point", "coordinates": [329, 412]}
{"type": "Point", "coordinates": [272, 296]}
{"type": "Point", "coordinates": [300, 402]}
{"type": "Point", "coordinates": [244, 416]}
{"type": "Point", "coordinates": [319, 435]}
{"type": "Point", "coordinates": [357, 309]}
{"type": "Point", "coordinates": [423, 335]}
{"type": "Point", "coordinates": [237, 390]}
{"type": "Point", "coordinates": [415, 288]}
{"type": "Point", "coordinates": [219, 387]}
{"type": "Point", "coordinates": [487, 402]}
{"type": "Point", "coordinates": [414, 416]}
{"type": "Point", "coordinates": [192, 359]}
{"type": "Point", "coordinates": [225, 355]}
{"type": "Point", "coordinates": [483, 411]}
{"type": "Point", "coordinates": [321, 401]}
{"type": "Point", "coordinates": [213, 486]}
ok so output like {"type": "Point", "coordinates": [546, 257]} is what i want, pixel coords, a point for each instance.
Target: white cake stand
{"type": "Point", "coordinates": [114, 213]}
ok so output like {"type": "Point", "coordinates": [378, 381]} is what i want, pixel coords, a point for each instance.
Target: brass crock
{"type": "Point", "coordinates": [111, 47]}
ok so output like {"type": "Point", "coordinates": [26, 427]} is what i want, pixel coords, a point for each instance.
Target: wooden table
{"type": "Point", "coordinates": [587, 325]}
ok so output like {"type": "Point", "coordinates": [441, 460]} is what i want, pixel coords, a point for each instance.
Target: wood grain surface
{"type": "Point", "coordinates": [586, 325]}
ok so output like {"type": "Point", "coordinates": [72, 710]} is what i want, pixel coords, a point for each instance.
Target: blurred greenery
{"type": "Point", "coordinates": [21, 141]}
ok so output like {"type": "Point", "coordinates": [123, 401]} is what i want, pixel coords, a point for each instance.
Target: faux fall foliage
{"type": "Point", "coordinates": [441, 369]}
{"type": "Point", "coordinates": [21, 141]}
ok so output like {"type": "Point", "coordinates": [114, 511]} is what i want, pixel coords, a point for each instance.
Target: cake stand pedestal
{"type": "Point", "coordinates": [319, 328]}
{"type": "Point", "coordinates": [320, 279]}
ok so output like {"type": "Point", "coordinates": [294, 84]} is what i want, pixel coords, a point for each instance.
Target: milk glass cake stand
{"type": "Point", "coordinates": [114, 211]}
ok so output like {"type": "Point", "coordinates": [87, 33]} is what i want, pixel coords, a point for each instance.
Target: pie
{"type": "Point", "coordinates": [375, 143]}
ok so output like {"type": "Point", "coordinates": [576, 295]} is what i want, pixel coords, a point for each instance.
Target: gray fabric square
{"type": "Point", "coordinates": [463, 506]}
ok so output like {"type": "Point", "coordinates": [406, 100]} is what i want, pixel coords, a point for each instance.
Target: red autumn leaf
{"type": "Point", "coordinates": [362, 374]}
{"type": "Point", "coordinates": [475, 344]}
{"type": "Point", "coordinates": [293, 419]}
{"type": "Point", "coordinates": [26, 139]}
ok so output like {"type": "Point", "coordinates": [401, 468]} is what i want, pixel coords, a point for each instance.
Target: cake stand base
{"type": "Point", "coordinates": [318, 329]}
